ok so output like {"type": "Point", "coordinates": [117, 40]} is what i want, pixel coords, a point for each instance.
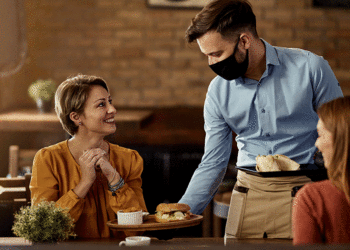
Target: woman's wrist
{"type": "Point", "coordinates": [113, 188]}
{"type": "Point", "coordinates": [82, 188]}
{"type": "Point", "coordinates": [112, 176]}
{"type": "Point", "coordinates": [115, 179]}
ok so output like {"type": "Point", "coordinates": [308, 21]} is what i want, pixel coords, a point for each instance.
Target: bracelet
{"type": "Point", "coordinates": [117, 186]}
{"type": "Point", "coordinates": [115, 172]}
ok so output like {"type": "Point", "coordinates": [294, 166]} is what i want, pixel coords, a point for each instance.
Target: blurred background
{"type": "Point", "coordinates": [138, 47]}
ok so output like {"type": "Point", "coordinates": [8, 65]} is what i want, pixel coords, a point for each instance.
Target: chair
{"type": "Point", "coordinates": [20, 159]}
{"type": "Point", "coordinates": [14, 194]}
{"type": "Point", "coordinates": [15, 190]}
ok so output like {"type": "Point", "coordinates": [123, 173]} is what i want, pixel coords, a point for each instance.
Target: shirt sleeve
{"type": "Point", "coordinates": [325, 85]}
{"type": "Point", "coordinates": [304, 220]}
{"type": "Point", "coordinates": [44, 185]}
{"type": "Point", "coordinates": [131, 194]}
{"type": "Point", "coordinates": [210, 172]}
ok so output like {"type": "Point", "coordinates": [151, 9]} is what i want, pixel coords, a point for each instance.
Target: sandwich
{"type": "Point", "coordinates": [269, 163]}
{"type": "Point", "coordinates": [166, 212]}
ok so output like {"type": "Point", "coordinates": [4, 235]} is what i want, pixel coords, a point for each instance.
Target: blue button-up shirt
{"type": "Point", "coordinates": [275, 115]}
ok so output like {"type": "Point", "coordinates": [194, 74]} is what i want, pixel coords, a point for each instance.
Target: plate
{"type": "Point", "coordinates": [145, 215]}
{"type": "Point", "coordinates": [151, 224]}
{"type": "Point", "coordinates": [305, 169]}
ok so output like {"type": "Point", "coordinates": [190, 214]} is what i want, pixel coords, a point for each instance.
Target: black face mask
{"type": "Point", "coordinates": [229, 68]}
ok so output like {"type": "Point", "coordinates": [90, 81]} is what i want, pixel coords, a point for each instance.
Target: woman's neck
{"type": "Point", "coordinates": [78, 144]}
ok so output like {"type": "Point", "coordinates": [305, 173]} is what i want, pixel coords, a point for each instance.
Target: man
{"type": "Point", "coordinates": [268, 96]}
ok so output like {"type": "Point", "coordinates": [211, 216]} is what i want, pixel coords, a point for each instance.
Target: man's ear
{"type": "Point", "coordinates": [75, 118]}
{"type": "Point", "coordinates": [246, 39]}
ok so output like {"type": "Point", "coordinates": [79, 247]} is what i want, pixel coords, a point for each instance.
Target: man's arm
{"type": "Point", "coordinates": [210, 172]}
{"type": "Point", "coordinates": [325, 85]}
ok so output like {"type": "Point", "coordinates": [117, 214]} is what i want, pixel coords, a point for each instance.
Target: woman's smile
{"type": "Point", "coordinates": [110, 121]}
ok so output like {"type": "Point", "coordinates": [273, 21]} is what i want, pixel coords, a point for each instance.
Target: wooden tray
{"type": "Point", "coordinates": [151, 224]}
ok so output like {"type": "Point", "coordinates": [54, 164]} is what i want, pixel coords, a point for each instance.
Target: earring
{"type": "Point", "coordinates": [80, 123]}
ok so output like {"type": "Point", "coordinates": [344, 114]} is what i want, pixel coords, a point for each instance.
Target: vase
{"type": "Point", "coordinates": [43, 106]}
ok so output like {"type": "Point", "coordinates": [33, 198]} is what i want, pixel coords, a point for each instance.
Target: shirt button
{"type": "Point", "coordinates": [263, 110]}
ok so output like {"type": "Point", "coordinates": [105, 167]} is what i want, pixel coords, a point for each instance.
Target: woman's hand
{"type": "Point", "coordinates": [111, 173]}
{"type": "Point", "coordinates": [88, 162]}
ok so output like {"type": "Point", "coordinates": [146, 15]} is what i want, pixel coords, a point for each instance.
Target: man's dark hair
{"type": "Point", "coordinates": [228, 17]}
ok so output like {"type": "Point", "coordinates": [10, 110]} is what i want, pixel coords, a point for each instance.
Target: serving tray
{"type": "Point", "coordinates": [305, 169]}
{"type": "Point", "coordinates": [151, 224]}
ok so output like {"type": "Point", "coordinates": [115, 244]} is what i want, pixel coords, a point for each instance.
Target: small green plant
{"type": "Point", "coordinates": [42, 89]}
{"type": "Point", "coordinates": [43, 222]}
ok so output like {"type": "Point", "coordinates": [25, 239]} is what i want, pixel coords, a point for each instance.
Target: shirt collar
{"type": "Point", "coordinates": [271, 54]}
{"type": "Point", "coordinates": [271, 59]}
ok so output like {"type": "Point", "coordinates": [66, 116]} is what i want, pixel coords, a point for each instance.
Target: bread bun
{"type": "Point", "coordinates": [167, 212]}
{"type": "Point", "coordinates": [268, 163]}
{"type": "Point", "coordinates": [162, 218]}
{"type": "Point", "coordinates": [158, 219]}
{"type": "Point", "coordinates": [172, 207]}
{"type": "Point", "coordinates": [286, 164]}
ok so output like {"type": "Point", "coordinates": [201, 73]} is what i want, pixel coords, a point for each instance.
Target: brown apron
{"type": "Point", "coordinates": [261, 206]}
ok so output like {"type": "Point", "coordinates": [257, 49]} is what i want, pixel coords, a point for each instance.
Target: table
{"type": "Point", "coordinates": [183, 243]}
{"type": "Point", "coordinates": [176, 243]}
{"type": "Point", "coordinates": [32, 120]}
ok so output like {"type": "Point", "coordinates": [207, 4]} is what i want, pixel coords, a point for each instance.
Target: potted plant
{"type": "Point", "coordinates": [42, 92]}
{"type": "Point", "coordinates": [43, 223]}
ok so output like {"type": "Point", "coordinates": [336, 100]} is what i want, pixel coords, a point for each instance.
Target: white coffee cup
{"type": "Point", "coordinates": [136, 241]}
{"type": "Point", "coordinates": [130, 218]}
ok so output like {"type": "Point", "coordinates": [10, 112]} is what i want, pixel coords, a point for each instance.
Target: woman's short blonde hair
{"type": "Point", "coordinates": [335, 115]}
{"type": "Point", "coordinates": [71, 96]}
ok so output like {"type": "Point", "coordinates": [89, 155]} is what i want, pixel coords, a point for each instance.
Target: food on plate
{"type": "Point", "coordinates": [266, 163]}
{"type": "Point", "coordinates": [130, 218]}
{"type": "Point", "coordinates": [269, 163]}
{"type": "Point", "coordinates": [166, 212]}
{"type": "Point", "coordinates": [286, 164]}
{"type": "Point", "coordinates": [129, 210]}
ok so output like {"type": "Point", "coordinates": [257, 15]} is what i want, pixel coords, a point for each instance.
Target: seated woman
{"type": "Point", "coordinates": [321, 210]}
{"type": "Point", "coordinates": [94, 179]}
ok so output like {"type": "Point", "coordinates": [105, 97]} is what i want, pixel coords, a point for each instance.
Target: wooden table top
{"type": "Point", "coordinates": [32, 120]}
{"type": "Point", "coordinates": [159, 127]}
{"type": "Point", "coordinates": [176, 243]}
{"type": "Point", "coordinates": [198, 242]}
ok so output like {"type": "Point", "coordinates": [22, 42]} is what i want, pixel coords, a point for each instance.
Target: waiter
{"type": "Point", "coordinates": [266, 95]}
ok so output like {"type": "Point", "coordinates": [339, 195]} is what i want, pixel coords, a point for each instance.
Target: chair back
{"type": "Point", "coordinates": [16, 190]}
{"type": "Point", "coordinates": [19, 159]}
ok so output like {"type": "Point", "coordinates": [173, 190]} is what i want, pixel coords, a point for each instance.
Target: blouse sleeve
{"type": "Point", "coordinates": [305, 226]}
{"type": "Point", "coordinates": [44, 185]}
{"type": "Point", "coordinates": [130, 195]}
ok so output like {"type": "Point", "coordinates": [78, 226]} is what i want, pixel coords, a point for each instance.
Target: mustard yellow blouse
{"type": "Point", "coordinates": [55, 173]}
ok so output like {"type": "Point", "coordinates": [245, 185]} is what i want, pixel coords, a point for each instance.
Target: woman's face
{"type": "Point", "coordinates": [98, 115]}
{"type": "Point", "coordinates": [324, 143]}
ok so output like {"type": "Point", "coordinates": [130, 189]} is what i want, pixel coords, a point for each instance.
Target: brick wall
{"type": "Point", "coordinates": [141, 51]}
